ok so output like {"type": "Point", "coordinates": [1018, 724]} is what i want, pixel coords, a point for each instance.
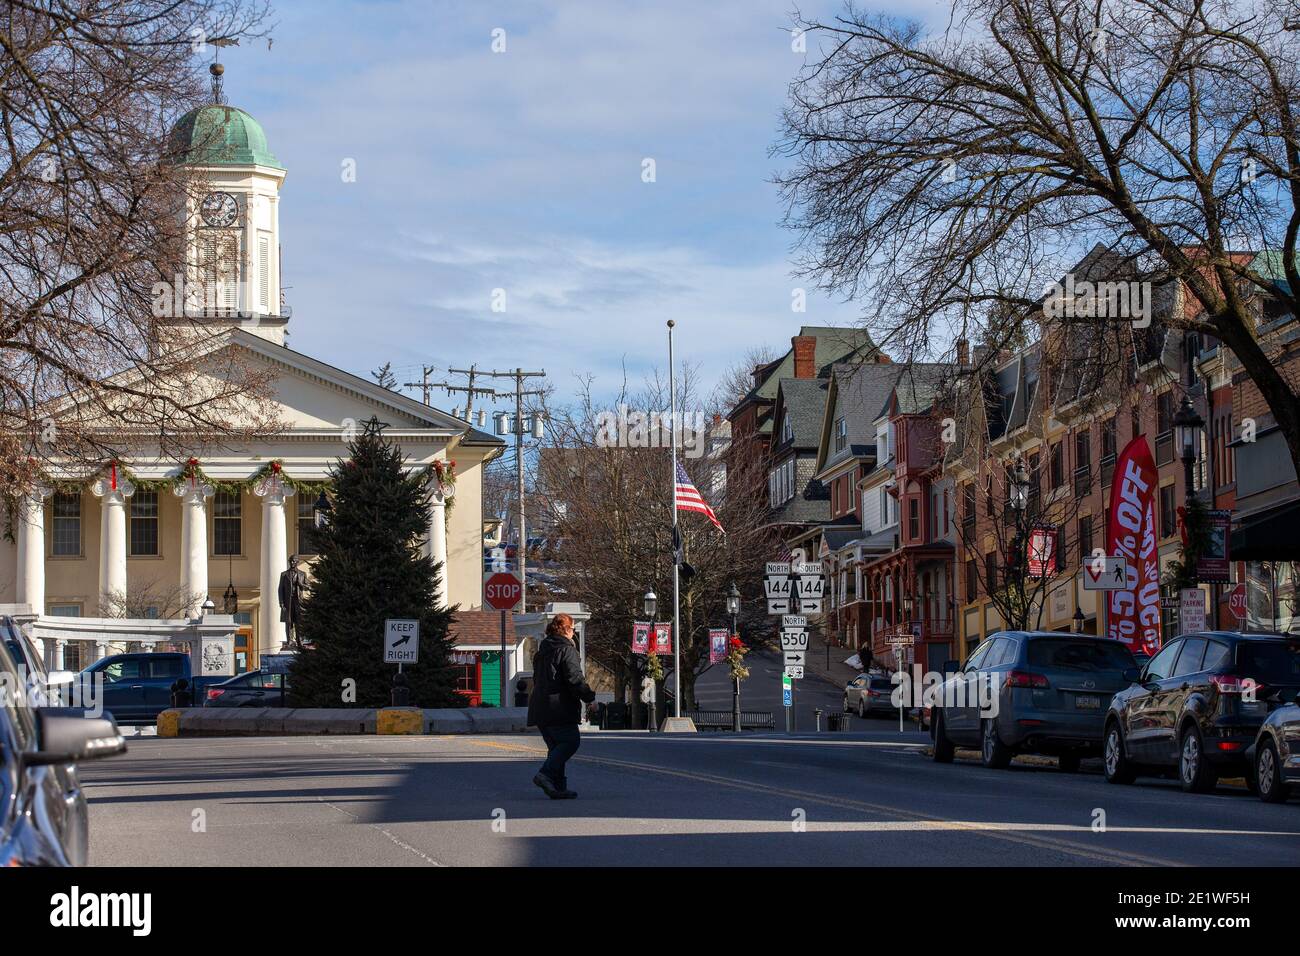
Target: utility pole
{"type": "Point", "coordinates": [469, 389]}
{"type": "Point", "coordinates": [424, 384]}
{"type": "Point", "coordinates": [519, 375]}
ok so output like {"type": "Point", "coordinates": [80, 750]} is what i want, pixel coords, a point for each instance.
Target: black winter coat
{"type": "Point", "coordinates": [558, 684]}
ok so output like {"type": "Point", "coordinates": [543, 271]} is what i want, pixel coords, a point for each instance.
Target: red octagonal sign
{"type": "Point", "coordinates": [502, 591]}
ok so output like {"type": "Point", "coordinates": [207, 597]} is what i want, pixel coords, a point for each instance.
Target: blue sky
{"type": "Point", "coordinates": [522, 171]}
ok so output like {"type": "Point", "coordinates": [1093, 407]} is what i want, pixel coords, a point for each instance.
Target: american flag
{"type": "Point", "coordinates": [688, 499]}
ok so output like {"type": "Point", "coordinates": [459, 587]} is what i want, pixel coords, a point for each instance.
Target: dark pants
{"type": "Point", "coordinates": [561, 743]}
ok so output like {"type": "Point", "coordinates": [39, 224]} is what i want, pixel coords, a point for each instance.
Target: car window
{"type": "Point", "coordinates": [878, 683]}
{"type": "Point", "coordinates": [1002, 651]}
{"type": "Point", "coordinates": [1270, 662]}
{"type": "Point", "coordinates": [977, 657]}
{"type": "Point", "coordinates": [1189, 661]}
{"type": "Point", "coordinates": [121, 670]}
{"type": "Point", "coordinates": [166, 667]}
{"type": "Point", "coordinates": [1217, 655]}
{"type": "Point", "coordinates": [1158, 667]}
{"type": "Point", "coordinates": [1079, 655]}
{"type": "Point", "coordinates": [15, 712]}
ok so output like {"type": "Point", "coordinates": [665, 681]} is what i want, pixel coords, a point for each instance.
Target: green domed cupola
{"type": "Point", "coordinates": [219, 135]}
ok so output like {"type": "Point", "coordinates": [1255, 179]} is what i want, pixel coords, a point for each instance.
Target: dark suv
{"type": "Point", "coordinates": [1197, 706]}
{"type": "Point", "coordinates": [1046, 694]}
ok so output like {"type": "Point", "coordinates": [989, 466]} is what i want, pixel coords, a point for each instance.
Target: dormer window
{"type": "Point", "coordinates": [787, 430]}
{"type": "Point", "coordinates": [841, 434]}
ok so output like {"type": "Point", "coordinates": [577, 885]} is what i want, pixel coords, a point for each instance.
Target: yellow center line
{"type": "Point", "coordinates": [1102, 855]}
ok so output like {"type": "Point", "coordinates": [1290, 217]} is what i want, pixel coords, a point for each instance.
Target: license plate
{"type": "Point", "coordinates": [1087, 702]}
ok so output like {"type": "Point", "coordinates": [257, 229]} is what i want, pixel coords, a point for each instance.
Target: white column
{"type": "Point", "coordinates": [31, 549]}
{"type": "Point", "coordinates": [194, 541]}
{"type": "Point", "coordinates": [437, 545]}
{"type": "Point", "coordinates": [113, 494]}
{"type": "Point", "coordinates": [275, 561]}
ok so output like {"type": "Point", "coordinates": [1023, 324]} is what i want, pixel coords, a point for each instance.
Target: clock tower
{"type": "Point", "coordinates": [232, 217]}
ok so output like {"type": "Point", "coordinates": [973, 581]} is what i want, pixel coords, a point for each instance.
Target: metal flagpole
{"type": "Point", "coordinates": [677, 629]}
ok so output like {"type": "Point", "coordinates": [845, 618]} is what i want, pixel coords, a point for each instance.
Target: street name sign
{"type": "Point", "coordinates": [401, 641]}
{"type": "Point", "coordinates": [1105, 574]}
{"type": "Point", "coordinates": [795, 673]}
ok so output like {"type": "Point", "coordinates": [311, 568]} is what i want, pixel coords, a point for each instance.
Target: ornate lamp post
{"type": "Point", "coordinates": [650, 604]}
{"type": "Point", "coordinates": [1078, 619]}
{"type": "Point", "coordinates": [1019, 502]}
{"type": "Point", "coordinates": [733, 608]}
{"type": "Point", "coordinates": [1187, 430]}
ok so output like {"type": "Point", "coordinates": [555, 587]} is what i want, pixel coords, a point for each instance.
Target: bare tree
{"type": "Point", "coordinates": [148, 600]}
{"type": "Point", "coordinates": [611, 503]}
{"type": "Point", "coordinates": [949, 179]}
{"type": "Point", "coordinates": [738, 380]}
{"type": "Point", "coordinates": [92, 216]}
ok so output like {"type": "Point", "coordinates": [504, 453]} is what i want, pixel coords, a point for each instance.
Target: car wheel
{"type": "Point", "coordinates": [993, 751]}
{"type": "Point", "coordinates": [862, 710]}
{"type": "Point", "coordinates": [1194, 771]}
{"type": "Point", "coordinates": [943, 748]}
{"type": "Point", "coordinates": [1115, 764]}
{"type": "Point", "coordinates": [1269, 785]}
{"type": "Point", "coordinates": [1068, 762]}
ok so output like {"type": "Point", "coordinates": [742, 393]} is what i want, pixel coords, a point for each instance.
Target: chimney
{"type": "Point", "coordinates": [963, 353]}
{"type": "Point", "coordinates": [805, 352]}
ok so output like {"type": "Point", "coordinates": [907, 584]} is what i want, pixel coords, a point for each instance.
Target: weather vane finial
{"type": "Point", "coordinates": [216, 69]}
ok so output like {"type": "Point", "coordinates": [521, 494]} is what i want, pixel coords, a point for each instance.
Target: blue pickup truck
{"type": "Point", "coordinates": [136, 688]}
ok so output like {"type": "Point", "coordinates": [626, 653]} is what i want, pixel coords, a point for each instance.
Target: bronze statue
{"type": "Point", "coordinates": [293, 585]}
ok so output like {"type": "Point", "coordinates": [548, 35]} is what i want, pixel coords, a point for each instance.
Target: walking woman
{"type": "Point", "coordinates": [555, 706]}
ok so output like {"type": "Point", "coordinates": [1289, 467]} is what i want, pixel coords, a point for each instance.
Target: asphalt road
{"type": "Point", "coordinates": [854, 799]}
{"type": "Point", "coordinates": [762, 691]}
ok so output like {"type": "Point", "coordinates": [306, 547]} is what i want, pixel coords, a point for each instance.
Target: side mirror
{"type": "Point", "coordinates": [1132, 675]}
{"type": "Point", "coordinates": [66, 735]}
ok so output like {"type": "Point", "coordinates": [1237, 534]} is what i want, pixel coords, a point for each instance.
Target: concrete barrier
{"type": "Point", "coordinates": [288, 721]}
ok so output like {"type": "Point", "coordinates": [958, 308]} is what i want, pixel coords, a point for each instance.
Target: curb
{"type": "Point", "coordinates": [287, 721]}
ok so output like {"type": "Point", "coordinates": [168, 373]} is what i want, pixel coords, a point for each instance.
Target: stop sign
{"type": "Point", "coordinates": [1237, 601]}
{"type": "Point", "coordinates": [502, 591]}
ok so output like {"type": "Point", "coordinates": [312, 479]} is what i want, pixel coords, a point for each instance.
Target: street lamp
{"type": "Point", "coordinates": [650, 603]}
{"type": "Point", "coordinates": [1187, 432]}
{"type": "Point", "coordinates": [733, 608]}
{"type": "Point", "coordinates": [1078, 619]}
{"type": "Point", "coordinates": [1019, 485]}
{"type": "Point", "coordinates": [322, 509]}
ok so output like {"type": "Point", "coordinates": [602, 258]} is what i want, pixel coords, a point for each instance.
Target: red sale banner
{"type": "Point", "coordinates": [1134, 612]}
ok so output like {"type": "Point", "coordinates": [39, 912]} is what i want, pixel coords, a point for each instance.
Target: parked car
{"type": "Point", "coordinates": [255, 689]}
{"type": "Point", "coordinates": [869, 694]}
{"type": "Point", "coordinates": [1197, 707]}
{"type": "Point", "coordinates": [1050, 691]}
{"type": "Point", "coordinates": [43, 820]}
{"type": "Point", "coordinates": [138, 687]}
{"type": "Point", "coordinates": [1275, 757]}
{"type": "Point", "coordinates": [30, 666]}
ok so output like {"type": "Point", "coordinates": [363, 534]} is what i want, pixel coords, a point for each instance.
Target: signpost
{"type": "Point", "coordinates": [1105, 573]}
{"type": "Point", "coordinates": [1191, 610]}
{"type": "Point", "coordinates": [1237, 601]}
{"type": "Point", "coordinates": [503, 591]}
{"type": "Point", "coordinates": [898, 642]}
{"type": "Point", "coordinates": [401, 642]}
{"type": "Point", "coordinates": [794, 590]}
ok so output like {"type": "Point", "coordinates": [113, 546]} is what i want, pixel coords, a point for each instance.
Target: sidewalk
{"type": "Point", "coordinates": [838, 673]}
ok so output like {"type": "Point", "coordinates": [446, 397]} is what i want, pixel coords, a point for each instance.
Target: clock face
{"type": "Point", "coordinates": [219, 209]}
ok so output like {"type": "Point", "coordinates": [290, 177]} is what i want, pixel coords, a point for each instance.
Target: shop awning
{"type": "Point", "coordinates": [1271, 534]}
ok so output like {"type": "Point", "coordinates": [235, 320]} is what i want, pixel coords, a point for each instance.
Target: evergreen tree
{"type": "Point", "coordinates": [372, 566]}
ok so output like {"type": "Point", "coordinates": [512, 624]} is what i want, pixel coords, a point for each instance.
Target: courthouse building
{"type": "Point", "coordinates": [216, 525]}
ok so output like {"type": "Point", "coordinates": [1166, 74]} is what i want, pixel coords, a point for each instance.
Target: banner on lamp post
{"type": "Point", "coordinates": [718, 644]}
{"type": "Point", "coordinates": [640, 637]}
{"type": "Point", "coordinates": [663, 638]}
